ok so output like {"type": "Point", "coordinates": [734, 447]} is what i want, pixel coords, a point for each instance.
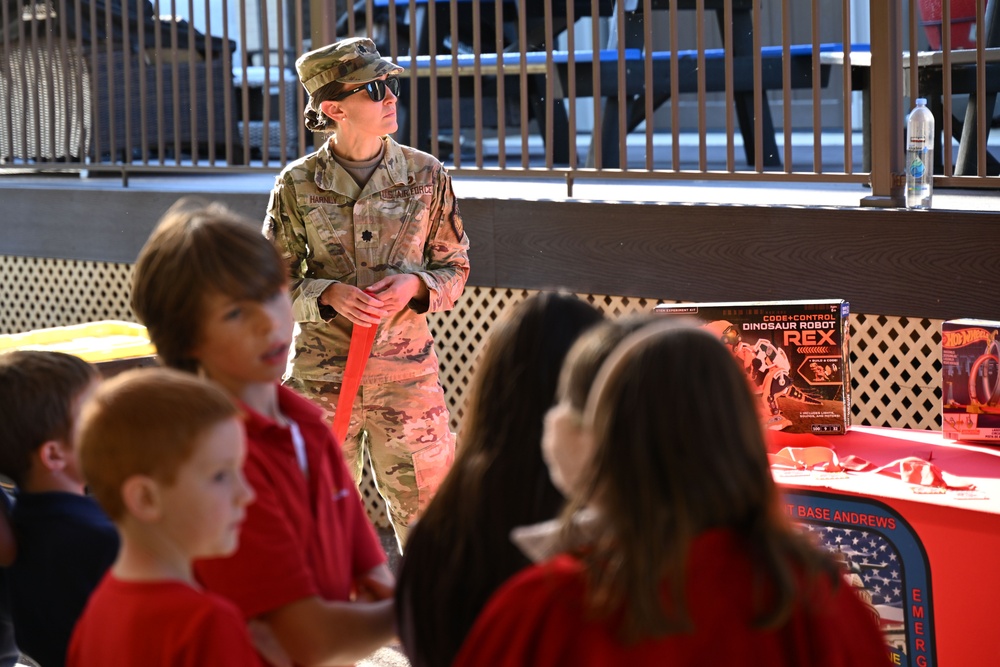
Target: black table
{"type": "Point", "coordinates": [743, 46]}
{"type": "Point", "coordinates": [534, 40]}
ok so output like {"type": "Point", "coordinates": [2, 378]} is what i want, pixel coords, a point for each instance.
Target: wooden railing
{"type": "Point", "coordinates": [760, 90]}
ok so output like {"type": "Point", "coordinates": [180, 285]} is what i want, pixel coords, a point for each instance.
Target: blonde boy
{"type": "Point", "coordinates": [163, 453]}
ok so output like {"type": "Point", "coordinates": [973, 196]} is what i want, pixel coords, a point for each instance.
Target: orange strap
{"type": "Point", "coordinates": [357, 357]}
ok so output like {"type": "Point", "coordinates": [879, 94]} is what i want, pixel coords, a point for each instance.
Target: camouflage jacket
{"type": "Point", "coordinates": [405, 220]}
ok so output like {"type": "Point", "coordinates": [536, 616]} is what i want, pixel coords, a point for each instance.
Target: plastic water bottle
{"type": "Point", "coordinates": [919, 156]}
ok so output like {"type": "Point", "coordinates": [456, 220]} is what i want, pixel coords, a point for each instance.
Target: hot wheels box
{"type": "Point", "coordinates": [970, 379]}
{"type": "Point", "coordinates": [795, 354]}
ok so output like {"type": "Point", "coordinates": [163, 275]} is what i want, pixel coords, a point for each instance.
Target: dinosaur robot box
{"type": "Point", "coordinates": [970, 379]}
{"type": "Point", "coordinates": [795, 354]}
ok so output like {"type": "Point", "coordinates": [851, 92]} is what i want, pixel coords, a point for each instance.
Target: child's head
{"type": "Point", "coordinates": [513, 385]}
{"type": "Point", "coordinates": [678, 450]}
{"type": "Point", "coordinates": [166, 448]}
{"type": "Point", "coordinates": [498, 480]}
{"type": "Point", "coordinates": [40, 397]}
{"type": "Point", "coordinates": [677, 434]}
{"type": "Point", "coordinates": [198, 251]}
{"type": "Point", "coordinates": [515, 382]}
{"type": "Point", "coordinates": [566, 446]}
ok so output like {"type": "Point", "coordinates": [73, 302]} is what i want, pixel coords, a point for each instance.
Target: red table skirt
{"type": "Point", "coordinates": [926, 557]}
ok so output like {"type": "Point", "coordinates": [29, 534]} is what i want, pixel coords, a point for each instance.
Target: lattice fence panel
{"type": "Point", "coordinates": [42, 293]}
{"type": "Point", "coordinates": [896, 366]}
{"type": "Point", "coordinates": [622, 306]}
{"type": "Point", "coordinates": [460, 333]}
{"type": "Point", "coordinates": [895, 361]}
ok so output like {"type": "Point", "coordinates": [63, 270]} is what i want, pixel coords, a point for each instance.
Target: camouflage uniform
{"type": "Point", "coordinates": [328, 229]}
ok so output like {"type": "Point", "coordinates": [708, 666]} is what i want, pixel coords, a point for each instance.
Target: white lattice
{"type": "Point", "coordinates": [895, 361]}
{"type": "Point", "coordinates": [619, 306]}
{"type": "Point", "coordinates": [460, 333]}
{"type": "Point", "coordinates": [896, 365]}
{"type": "Point", "coordinates": [43, 293]}
{"type": "Point", "coordinates": [458, 337]}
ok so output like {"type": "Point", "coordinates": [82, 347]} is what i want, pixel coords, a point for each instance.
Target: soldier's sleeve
{"type": "Point", "coordinates": [284, 227]}
{"type": "Point", "coordinates": [446, 252]}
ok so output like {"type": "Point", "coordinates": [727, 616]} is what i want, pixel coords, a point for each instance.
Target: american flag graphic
{"type": "Point", "coordinates": [873, 558]}
{"type": "Point", "coordinates": [883, 561]}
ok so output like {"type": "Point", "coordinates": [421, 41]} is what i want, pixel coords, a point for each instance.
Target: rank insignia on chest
{"type": "Point", "coordinates": [367, 236]}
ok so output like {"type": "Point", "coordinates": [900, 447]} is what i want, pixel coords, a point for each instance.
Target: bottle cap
{"type": "Point", "coordinates": [921, 101]}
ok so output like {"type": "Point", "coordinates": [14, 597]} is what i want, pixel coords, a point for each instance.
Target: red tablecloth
{"type": "Point", "coordinates": [947, 603]}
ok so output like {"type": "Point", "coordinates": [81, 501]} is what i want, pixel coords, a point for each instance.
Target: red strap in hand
{"type": "Point", "coordinates": [357, 357]}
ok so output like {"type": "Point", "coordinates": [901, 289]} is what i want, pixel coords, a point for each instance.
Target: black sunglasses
{"type": "Point", "coordinates": [376, 89]}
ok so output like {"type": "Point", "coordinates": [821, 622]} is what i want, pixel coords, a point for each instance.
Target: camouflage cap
{"type": "Point", "coordinates": [352, 60]}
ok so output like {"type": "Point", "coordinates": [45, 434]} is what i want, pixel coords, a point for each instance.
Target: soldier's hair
{"type": "Point", "coordinates": [679, 450]}
{"type": "Point", "coordinates": [198, 248]}
{"type": "Point", "coordinates": [316, 120]}
{"type": "Point", "coordinates": [460, 551]}
{"type": "Point", "coordinates": [37, 392]}
{"type": "Point", "coordinates": [145, 422]}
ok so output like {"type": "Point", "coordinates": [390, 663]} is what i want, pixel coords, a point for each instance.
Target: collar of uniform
{"type": "Point", "coordinates": [395, 166]}
{"type": "Point", "coordinates": [332, 178]}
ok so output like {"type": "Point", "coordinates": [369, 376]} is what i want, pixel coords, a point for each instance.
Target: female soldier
{"type": "Point", "coordinates": [372, 235]}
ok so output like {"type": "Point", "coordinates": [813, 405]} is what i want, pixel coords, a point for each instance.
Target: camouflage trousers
{"type": "Point", "coordinates": [404, 428]}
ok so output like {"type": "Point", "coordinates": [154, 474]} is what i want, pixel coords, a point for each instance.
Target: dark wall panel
{"type": "Point", "coordinates": [93, 224]}
{"type": "Point", "coordinates": [892, 262]}
{"type": "Point", "coordinates": [938, 264]}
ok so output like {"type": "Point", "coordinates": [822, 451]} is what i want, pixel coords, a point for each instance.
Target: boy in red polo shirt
{"type": "Point", "coordinates": [213, 294]}
{"type": "Point", "coordinates": [162, 452]}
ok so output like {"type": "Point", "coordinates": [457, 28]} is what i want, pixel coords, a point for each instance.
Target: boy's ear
{"type": "Point", "coordinates": [53, 455]}
{"type": "Point", "coordinates": [141, 496]}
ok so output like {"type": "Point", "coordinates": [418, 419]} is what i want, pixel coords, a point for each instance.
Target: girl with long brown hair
{"type": "Point", "coordinates": [674, 548]}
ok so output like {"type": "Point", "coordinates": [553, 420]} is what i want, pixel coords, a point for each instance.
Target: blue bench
{"type": "Point", "coordinates": [801, 70]}
{"type": "Point", "coordinates": [465, 63]}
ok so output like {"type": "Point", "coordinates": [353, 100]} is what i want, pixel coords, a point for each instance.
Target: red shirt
{"type": "Point", "coordinates": [304, 535]}
{"type": "Point", "coordinates": [538, 618]}
{"type": "Point", "coordinates": [159, 624]}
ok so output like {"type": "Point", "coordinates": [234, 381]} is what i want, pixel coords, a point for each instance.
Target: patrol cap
{"type": "Point", "coordinates": [351, 60]}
